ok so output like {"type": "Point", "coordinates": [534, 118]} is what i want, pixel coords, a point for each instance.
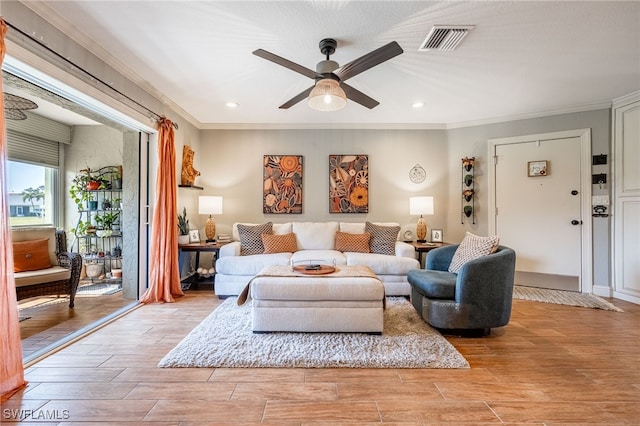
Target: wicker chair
{"type": "Point", "coordinates": [61, 278]}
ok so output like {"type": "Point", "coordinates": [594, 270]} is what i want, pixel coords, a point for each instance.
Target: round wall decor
{"type": "Point", "coordinates": [417, 174]}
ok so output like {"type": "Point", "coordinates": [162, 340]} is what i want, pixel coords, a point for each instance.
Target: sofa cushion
{"type": "Point", "coordinates": [250, 265]}
{"type": "Point", "coordinates": [382, 264]}
{"type": "Point", "coordinates": [31, 255]}
{"type": "Point", "coordinates": [42, 276]}
{"type": "Point", "coordinates": [315, 235]}
{"type": "Point", "coordinates": [352, 242]}
{"type": "Point", "coordinates": [324, 257]}
{"type": "Point", "coordinates": [472, 247]}
{"type": "Point", "coordinates": [383, 238]}
{"type": "Point", "coordinates": [279, 243]}
{"type": "Point", "coordinates": [250, 240]}
{"type": "Point", "coordinates": [433, 284]}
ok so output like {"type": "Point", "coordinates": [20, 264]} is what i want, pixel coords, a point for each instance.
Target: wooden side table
{"type": "Point", "coordinates": [199, 248]}
{"type": "Point", "coordinates": [423, 248]}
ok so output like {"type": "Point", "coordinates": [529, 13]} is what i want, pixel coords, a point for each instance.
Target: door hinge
{"type": "Point", "coordinates": [495, 160]}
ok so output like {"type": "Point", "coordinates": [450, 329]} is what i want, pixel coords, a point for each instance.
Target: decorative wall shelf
{"type": "Point", "coordinates": [200, 188]}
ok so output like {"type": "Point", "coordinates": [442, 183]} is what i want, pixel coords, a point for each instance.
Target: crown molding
{"type": "Point", "coordinates": [527, 116]}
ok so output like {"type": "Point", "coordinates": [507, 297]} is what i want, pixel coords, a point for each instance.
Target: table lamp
{"type": "Point", "coordinates": [421, 206]}
{"type": "Point", "coordinates": [210, 205]}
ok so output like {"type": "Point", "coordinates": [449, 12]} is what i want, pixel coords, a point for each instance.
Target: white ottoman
{"type": "Point", "coordinates": [351, 299]}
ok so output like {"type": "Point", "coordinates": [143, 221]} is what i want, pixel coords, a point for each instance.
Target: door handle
{"type": "Point", "coordinates": [576, 222]}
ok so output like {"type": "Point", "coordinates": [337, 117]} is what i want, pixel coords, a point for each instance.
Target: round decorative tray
{"type": "Point", "coordinates": [314, 269]}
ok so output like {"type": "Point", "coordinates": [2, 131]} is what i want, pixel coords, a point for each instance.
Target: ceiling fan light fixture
{"type": "Point", "coordinates": [327, 95]}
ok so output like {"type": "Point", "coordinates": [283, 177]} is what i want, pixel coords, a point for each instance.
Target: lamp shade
{"type": "Point", "coordinates": [420, 205]}
{"type": "Point", "coordinates": [209, 205]}
{"type": "Point", "coordinates": [327, 95]}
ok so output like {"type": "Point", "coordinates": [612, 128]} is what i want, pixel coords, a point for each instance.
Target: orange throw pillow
{"type": "Point", "coordinates": [358, 243]}
{"type": "Point", "coordinates": [285, 243]}
{"type": "Point", "coordinates": [31, 255]}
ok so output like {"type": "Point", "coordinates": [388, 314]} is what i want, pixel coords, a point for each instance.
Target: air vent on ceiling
{"type": "Point", "coordinates": [445, 37]}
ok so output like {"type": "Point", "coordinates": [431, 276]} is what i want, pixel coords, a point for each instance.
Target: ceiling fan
{"type": "Point", "coordinates": [14, 105]}
{"type": "Point", "coordinates": [330, 92]}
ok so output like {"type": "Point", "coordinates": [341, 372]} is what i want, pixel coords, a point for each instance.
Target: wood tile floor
{"type": "Point", "coordinates": [551, 365]}
{"type": "Point", "coordinates": [51, 321]}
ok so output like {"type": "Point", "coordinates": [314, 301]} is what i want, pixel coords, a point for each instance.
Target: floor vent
{"type": "Point", "coordinates": [445, 37]}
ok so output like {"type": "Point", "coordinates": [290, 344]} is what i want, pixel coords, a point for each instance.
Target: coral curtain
{"type": "Point", "coordinates": [11, 369]}
{"type": "Point", "coordinates": [164, 275]}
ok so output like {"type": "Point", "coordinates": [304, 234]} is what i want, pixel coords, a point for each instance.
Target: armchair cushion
{"type": "Point", "coordinates": [472, 247]}
{"type": "Point", "coordinates": [433, 284]}
{"type": "Point", "coordinates": [31, 255]}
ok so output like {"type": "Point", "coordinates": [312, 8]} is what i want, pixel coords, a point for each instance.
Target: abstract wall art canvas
{"type": "Point", "coordinates": [282, 184]}
{"type": "Point", "coordinates": [348, 184]}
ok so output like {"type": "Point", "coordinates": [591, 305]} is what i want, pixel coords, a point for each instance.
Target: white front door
{"type": "Point", "coordinates": [538, 207]}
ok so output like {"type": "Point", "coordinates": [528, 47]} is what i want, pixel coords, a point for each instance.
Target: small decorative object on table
{"type": "Point", "coordinates": [436, 235]}
{"type": "Point", "coordinates": [194, 236]}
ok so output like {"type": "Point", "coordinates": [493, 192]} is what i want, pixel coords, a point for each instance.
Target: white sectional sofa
{"type": "Point", "coordinates": [316, 243]}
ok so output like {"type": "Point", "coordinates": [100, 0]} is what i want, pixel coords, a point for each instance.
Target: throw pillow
{"type": "Point", "coordinates": [383, 238]}
{"type": "Point", "coordinates": [284, 243]}
{"type": "Point", "coordinates": [31, 255]}
{"type": "Point", "coordinates": [358, 243]}
{"type": "Point", "coordinates": [472, 247]}
{"type": "Point", "coordinates": [250, 238]}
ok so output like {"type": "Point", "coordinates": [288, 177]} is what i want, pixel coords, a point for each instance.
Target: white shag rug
{"type": "Point", "coordinates": [225, 339]}
{"type": "Point", "coordinates": [560, 297]}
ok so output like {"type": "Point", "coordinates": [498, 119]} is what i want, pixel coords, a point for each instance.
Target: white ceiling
{"type": "Point", "coordinates": [522, 59]}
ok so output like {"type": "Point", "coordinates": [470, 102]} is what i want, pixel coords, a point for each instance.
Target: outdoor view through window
{"type": "Point", "coordinates": [30, 194]}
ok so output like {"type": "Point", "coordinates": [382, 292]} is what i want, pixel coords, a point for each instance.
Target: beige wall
{"type": "Point", "coordinates": [231, 166]}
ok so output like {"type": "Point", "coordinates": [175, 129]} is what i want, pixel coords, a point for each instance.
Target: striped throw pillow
{"type": "Point", "coordinates": [250, 238]}
{"type": "Point", "coordinates": [472, 247]}
{"type": "Point", "coordinates": [358, 243]}
{"type": "Point", "coordinates": [285, 243]}
{"type": "Point", "coordinates": [383, 238]}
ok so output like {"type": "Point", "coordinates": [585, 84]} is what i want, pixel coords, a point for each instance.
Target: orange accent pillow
{"type": "Point", "coordinates": [274, 243]}
{"type": "Point", "coordinates": [31, 255]}
{"type": "Point", "coordinates": [358, 243]}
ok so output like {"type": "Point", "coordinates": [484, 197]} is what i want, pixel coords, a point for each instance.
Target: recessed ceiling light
{"type": "Point", "coordinates": [418, 104]}
{"type": "Point", "coordinates": [232, 105]}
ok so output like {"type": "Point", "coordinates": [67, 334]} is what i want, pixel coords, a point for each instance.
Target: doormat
{"type": "Point", "coordinates": [98, 289]}
{"type": "Point", "coordinates": [225, 339]}
{"type": "Point", "coordinates": [560, 297]}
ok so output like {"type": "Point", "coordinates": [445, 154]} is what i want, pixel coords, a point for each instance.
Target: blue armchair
{"type": "Point", "coordinates": [476, 299]}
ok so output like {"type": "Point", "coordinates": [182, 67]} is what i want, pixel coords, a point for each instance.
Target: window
{"type": "Point", "coordinates": [33, 192]}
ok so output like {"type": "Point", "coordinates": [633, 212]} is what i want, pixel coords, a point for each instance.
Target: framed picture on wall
{"type": "Point", "coordinates": [537, 168]}
{"type": "Point", "coordinates": [282, 184]}
{"type": "Point", "coordinates": [349, 183]}
{"type": "Point", "coordinates": [436, 236]}
{"type": "Point", "coordinates": [194, 236]}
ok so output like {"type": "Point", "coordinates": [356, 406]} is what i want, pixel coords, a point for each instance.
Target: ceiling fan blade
{"type": "Point", "coordinates": [357, 96]}
{"type": "Point", "coordinates": [302, 95]}
{"type": "Point", "coordinates": [369, 60]}
{"type": "Point", "coordinates": [285, 63]}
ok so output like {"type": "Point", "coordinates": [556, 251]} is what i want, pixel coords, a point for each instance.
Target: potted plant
{"type": "Point", "coordinates": [106, 220]}
{"type": "Point", "coordinates": [81, 228]}
{"type": "Point", "coordinates": [183, 227]}
{"type": "Point", "coordinates": [467, 194]}
{"type": "Point", "coordinates": [468, 210]}
{"type": "Point", "coordinates": [468, 163]}
{"type": "Point", "coordinates": [116, 177]}
{"type": "Point", "coordinates": [468, 180]}
{"type": "Point", "coordinates": [80, 185]}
